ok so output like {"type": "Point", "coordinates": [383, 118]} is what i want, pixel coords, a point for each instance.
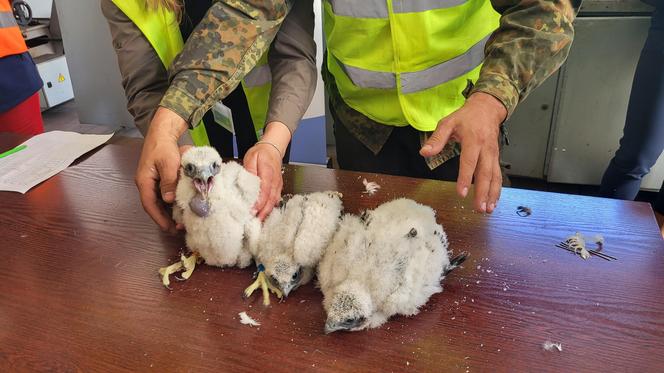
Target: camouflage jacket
{"type": "Point", "coordinates": [532, 41]}
{"type": "Point", "coordinates": [223, 48]}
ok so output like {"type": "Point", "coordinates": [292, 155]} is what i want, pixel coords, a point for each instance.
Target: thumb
{"type": "Point", "coordinates": [168, 178]}
{"type": "Point", "coordinates": [438, 139]}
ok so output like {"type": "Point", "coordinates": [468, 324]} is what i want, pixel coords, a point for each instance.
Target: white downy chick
{"type": "Point", "coordinates": [214, 202]}
{"type": "Point", "coordinates": [388, 262]}
{"type": "Point", "coordinates": [347, 301]}
{"type": "Point", "coordinates": [294, 237]}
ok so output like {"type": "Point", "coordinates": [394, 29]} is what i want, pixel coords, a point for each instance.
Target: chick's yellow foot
{"type": "Point", "coordinates": [188, 264]}
{"type": "Point", "coordinates": [165, 272]}
{"type": "Point", "coordinates": [265, 284]}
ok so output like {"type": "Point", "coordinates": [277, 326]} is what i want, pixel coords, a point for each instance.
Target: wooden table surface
{"type": "Point", "coordinates": [79, 289]}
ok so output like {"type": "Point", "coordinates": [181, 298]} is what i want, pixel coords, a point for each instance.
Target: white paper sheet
{"type": "Point", "coordinates": [45, 155]}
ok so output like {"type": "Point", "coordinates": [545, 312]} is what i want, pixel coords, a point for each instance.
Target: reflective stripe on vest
{"type": "Point", "coordinates": [379, 9]}
{"type": "Point", "coordinates": [11, 39]}
{"type": "Point", "coordinates": [410, 6]}
{"type": "Point", "coordinates": [406, 62]}
{"type": "Point", "coordinates": [7, 19]}
{"type": "Point", "coordinates": [420, 80]}
{"type": "Point", "coordinates": [444, 72]}
{"type": "Point", "coordinates": [360, 9]}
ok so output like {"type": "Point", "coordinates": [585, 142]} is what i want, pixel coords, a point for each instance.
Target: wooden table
{"type": "Point", "coordinates": [79, 289]}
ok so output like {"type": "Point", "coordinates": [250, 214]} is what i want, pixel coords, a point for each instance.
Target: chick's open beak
{"type": "Point", "coordinates": [203, 183]}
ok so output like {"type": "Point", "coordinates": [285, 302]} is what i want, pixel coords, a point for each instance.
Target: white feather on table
{"type": "Point", "coordinates": [370, 187]}
{"type": "Point", "coordinates": [550, 346]}
{"type": "Point", "coordinates": [247, 320]}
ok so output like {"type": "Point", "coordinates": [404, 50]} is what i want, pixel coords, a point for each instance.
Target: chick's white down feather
{"type": "Point", "coordinates": [224, 236]}
{"type": "Point", "coordinates": [388, 262]}
{"type": "Point", "coordinates": [294, 237]}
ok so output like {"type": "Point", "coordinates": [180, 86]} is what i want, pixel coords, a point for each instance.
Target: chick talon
{"type": "Point", "coordinates": [255, 285]}
{"type": "Point", "coordinates": [266, 293]}
{"type": "Point", "coordinates": [266, 286]}
{"type": "Point", "coordinates": [189, 264]}
{"type": "Point", "coordinates": [275, 290]}
{"type": "Point", "coordinates": [165, 272]}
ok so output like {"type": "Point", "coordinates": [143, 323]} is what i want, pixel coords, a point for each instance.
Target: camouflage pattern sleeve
{"type": "Point", "coordinates": [223, 48]}
{"type": "Point", "coordinates": [532, 41]}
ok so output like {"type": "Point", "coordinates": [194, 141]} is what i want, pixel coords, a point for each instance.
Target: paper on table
{"type": "Point", "coordinates": [45, 155]}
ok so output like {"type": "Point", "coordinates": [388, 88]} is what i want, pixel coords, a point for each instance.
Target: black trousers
{"type": "Point", "coordinates": [643, 136]}
{"type": "Point", "coordinates": [399, 156]}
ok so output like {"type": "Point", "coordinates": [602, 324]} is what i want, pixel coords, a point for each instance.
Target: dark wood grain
{"type": "Point", "coordinates": [79, 289]}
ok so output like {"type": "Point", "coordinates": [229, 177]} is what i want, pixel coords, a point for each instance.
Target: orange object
{"type": "Point", "coordinates": [11, 39]}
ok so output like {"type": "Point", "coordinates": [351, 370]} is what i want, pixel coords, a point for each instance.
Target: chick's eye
{"type": "Point", "coordinates": [189, 167]}
{"type": "Point", "coordinates": [215, 166]}
{"type": "Point", "coordinates": [296, 275]}
{"type": "Point", "coordinates": [349, 321]}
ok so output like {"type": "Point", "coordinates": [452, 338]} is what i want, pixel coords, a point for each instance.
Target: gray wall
{"type": "Point", "coordinates": [92, 64]}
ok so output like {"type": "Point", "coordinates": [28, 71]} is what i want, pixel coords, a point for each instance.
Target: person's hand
{"type": "Point", "coordinates": [158, 166]}
{"type": "Point", "coordinates": [476, 126]}
{"type": "Point", "coordinates": [264, 160]}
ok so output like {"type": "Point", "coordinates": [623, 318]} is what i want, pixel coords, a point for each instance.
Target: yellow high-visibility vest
{"type": "Point", "coordinates": [257, 85]}
{"type": "Point", "coordinates": [406, 62]}
{"type": "Point", "coordinates": [161, 29]}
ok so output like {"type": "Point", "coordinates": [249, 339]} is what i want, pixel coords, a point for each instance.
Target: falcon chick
{"type": "Point", "coordinates": [213, 200]}
{"type": "Point", "coordinates": [388, 262]}
{"type": "Point", "coordinates": [293, 239]}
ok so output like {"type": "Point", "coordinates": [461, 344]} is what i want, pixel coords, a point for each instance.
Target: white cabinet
{"type": "Point", "coordinates": [57, 83]}
{"type": "Point", "coordinates": [568, 129]}
{"type": "Point", "coordinates": [594, 92]}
